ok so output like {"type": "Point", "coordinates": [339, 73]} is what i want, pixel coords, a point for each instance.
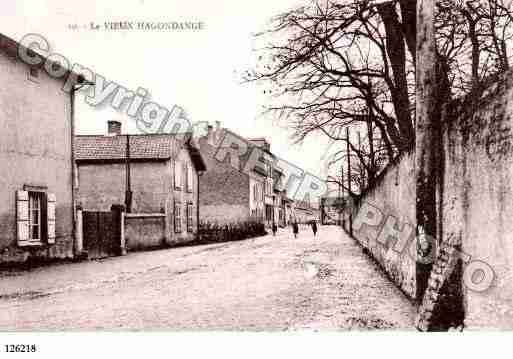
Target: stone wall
{"type": "Point", "coordinates": [145, 231]}
{"type": "Point", "coordinates": [224, 190]}
{"type": "Point", "coordinates": [384, 217]}
{"type": "Point", "coordinates": [103, 184]}
{"type": "Point", "coordinates": [477, 204]}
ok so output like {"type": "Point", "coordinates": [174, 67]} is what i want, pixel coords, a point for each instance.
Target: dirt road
{"type": "Point", "coordinates": [266, 283]}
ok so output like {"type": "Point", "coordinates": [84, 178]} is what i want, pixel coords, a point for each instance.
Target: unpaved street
{"type": "Point", "coordinates": [265, 283]}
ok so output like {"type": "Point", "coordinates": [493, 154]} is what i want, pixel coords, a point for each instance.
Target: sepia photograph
{"type": "Point", "coordinates": [279, 167]}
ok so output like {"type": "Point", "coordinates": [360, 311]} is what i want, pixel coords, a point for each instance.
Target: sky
{"type": "Point", "coordinates": [197, 70]}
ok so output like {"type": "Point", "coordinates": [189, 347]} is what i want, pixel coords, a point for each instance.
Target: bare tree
{"type": "Point", "coordinates": [331, 64]}
{"type": "Point", "coordinates": [472, 39]}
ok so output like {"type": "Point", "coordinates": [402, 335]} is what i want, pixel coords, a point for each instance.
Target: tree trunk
{"type": "Point", "coordinates": [397, 55]}
{"type": "Point", "coordinates": [427, 127]}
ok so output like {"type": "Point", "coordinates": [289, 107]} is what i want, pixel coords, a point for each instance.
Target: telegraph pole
{"type": "Point", "coordinates": [339, 201]}
{"type": "Point", "coordinates": [362, 166]}
{"type": "Point", "coordinates": [128, 185]}
{"type": "Point", "coordinates": [349, 191]}
{"type": "Point", "coordinates": [342, 210]}
{"type": "Point", "coordinates": [370, 135]}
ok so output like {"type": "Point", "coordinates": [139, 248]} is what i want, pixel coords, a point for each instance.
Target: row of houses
{"type": "Point", "coordinates": [230, 195]}
{"type": "Point", "coordinates": [63, 195]}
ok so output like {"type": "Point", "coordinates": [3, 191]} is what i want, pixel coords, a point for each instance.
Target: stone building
{"type": "Point", "coordinates": [306, 211]}
{"type": "Point", "coordinates": [280, 199]}
{"type": "Point", "coordinates": [271, 200]}
{"type": "Point", "coordinates": [331, 209]}
{"type": "Point", "coordinates": [228, 194]}
{"type": "Point", "coordinates": [162, 174]}
{"type": "Point", "coordinates": [36, 180]}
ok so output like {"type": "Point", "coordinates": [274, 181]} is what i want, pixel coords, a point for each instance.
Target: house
{"type": "Point", "coordinates": [280, 198]}
{"type": "Point", "coordinates": [270, 199]}
{"type": "Point", "coordinates": [228, 194]}
{"type": "Point", "coordinates": [36, 176]}
{"type": "Point", "coordinates": [151, 174]}
{"type": "Point", "coordinates": [306, 211]}
{"type": "Point", "coordinates": [331, 209]}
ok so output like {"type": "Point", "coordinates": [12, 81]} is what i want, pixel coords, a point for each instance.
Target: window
{"type": "Point", "coordinates": [190, 175]}
{"type": "Point", "coordinates": [190, 211]}
{"type": "Point", "coordinates": [178, 175]}
{"type": "Point", "coordinates": [184, 174]}
{"type": "Point", "coordinates": [35, 217]}
{"type": "Point", "coordinates": [178, 218]}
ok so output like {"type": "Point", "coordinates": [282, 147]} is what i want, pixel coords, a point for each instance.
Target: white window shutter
{"type": "Point", "coordinates": [178, 174]}
{"type": "Point", "coordinates": [190, 178]}
{"type": "Point", "coordinates": [22, 218]}
{"type": "Point", "coordinates": [50, 217]}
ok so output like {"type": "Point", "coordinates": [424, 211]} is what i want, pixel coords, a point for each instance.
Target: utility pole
{"type": "Point", "coordinates": [362, 165]}
{"type": "Point", "coordinates": [128, 185]}
{"type": "Point", "coordinates": [349, 191]}
{"type": "Point", "coordinates": [370, 135]}
{"type": "Point", "coordinates": [339, 200]}
{"type": "Point", "coordinates": [342, 210]}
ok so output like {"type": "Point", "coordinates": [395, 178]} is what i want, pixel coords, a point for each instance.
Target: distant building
{"type": "Point", "coordinates": [331, 209]}
{"type": "Point", "coordinates": [163, 175]}
{"type": "Point", "coordinates": [227, 194]}
{"type": "Point", "coordinates": [36, 176]}
{"type": "Point", "coordinates": [270, 197]}
{"type": "Point", "coordinates": [306, 211]}
{"type": "Point", "coordinates": [281, 214]}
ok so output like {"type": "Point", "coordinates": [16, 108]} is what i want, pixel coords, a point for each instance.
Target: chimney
{"type": "Point", "coordinates": [113, 128]}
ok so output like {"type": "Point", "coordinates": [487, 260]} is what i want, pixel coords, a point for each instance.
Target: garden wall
{"type": "Point", "coordinates": [384, 216]}
{"type": "Point", "coordinates": [145, 231]}
{"type": "Point", "coordinates": [477, 201]}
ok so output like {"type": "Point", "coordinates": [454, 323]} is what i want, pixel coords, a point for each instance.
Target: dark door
{"type": "Point", "coordinates": [101, 234]}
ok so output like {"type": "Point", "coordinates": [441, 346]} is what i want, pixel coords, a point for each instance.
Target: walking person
{"type": "Point", "coordinates": [295, 229]}
{"type": "Point", "coordinates": [275, 229]}
{"type": "Point", "coordinates": [314, 227]}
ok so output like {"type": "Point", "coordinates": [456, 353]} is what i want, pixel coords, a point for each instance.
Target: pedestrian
{"type": "Point", "coordinates": [314, 227]}
{"type": "Point", "coordinates": [295, 229]}
{"type": "Point", "coordinates": [275, 229]}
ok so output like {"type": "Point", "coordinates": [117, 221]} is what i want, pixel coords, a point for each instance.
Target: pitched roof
{"type": "Point", "coordinates": [196, 157]}
{"type": "Point", "coordinates": [142, 147]}
{"type": "Point", "coordinates": [151, 147]}
{"type": "Point", "coordinates": [208, 152]}
{"type": "Point", "coordinates": [12, 47]}
{"type": "Point", "coordinates": [333, 201]}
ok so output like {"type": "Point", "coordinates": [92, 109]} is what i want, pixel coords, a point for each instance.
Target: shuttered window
{"type": "Point", "coordinates": [189, 178]}
{"type": "Point", "coordinates": [35, 217]}
{"type": "Point", "coordinates": [184, 173]}
{"type": "Point", "coordinates": [178, 175]}
{"type": "Point", "coordinates": [22, 217]}
{"type": "Point", "coordinates": [50, 217]}
{"type": "Point", "coordinates": [178, 218]}
{"type": "Point", "coordinates": [190, 211]}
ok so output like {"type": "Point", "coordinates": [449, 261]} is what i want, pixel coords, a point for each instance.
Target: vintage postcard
{"type": "Point", "coordinates": [236, 166]}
